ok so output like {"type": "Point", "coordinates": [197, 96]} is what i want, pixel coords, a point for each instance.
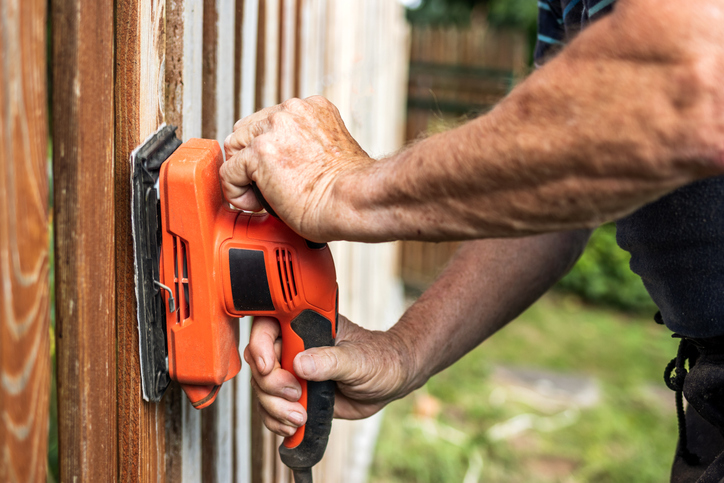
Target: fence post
{"type": "Point", "coordinates": [24, 294]}
{"type": "Point", "coordinates": [140, 46]}
{"type": "Point", "coordinates": [84, 207]}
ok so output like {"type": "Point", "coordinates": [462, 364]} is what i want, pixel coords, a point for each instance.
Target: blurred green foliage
{"type": "Point", "coordinates": [602, 275]}
{"type": "Point", "coordinates": [628, 436]}
{"type": "Point", "coordinates": [520, 14]}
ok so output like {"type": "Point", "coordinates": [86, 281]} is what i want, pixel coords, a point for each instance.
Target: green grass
{"type": "Point", "coordinates": [629, 436]}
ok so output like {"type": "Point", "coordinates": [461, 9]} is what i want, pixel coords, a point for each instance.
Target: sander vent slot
{"type": "Point", "coordinates": [183, 293]}
{"type": "Point", "coordinates": [286, 275]}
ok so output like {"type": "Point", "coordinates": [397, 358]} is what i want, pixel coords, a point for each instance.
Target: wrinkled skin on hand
{"type": "Point", "coordinates": [295, 152]}
{"type": "Point", "coordinates": [371, 369]}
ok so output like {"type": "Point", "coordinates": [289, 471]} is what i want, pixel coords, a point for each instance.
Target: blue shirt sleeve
{"type": "Point", "coordinates": [551, 30]}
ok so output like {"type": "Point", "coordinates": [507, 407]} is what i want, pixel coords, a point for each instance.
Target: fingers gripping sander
{"type": "Point", "coordinates": [200, 265]}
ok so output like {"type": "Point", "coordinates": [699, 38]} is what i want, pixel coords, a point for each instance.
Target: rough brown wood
{"type": "Point", "coordinates": [24, 299]}
{"type": "Point", "coordinates": [174, 63]}
{"type": "Point", "coordinates": [140, 47]}
{"type": "Point", "coordinates": [260, 53]}
{"type": "Point", "coordinates": [208, 109]}
{"type": "Point", "coordinates": [84, 206]}
{"type": "Point", "coordinates": [238, 44]}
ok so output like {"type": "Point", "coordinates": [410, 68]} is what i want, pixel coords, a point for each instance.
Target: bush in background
{"type": "Point", "coordinates": [602, 275]}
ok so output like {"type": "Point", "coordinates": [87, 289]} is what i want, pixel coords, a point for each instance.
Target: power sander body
{"type": "Point", "coordinates": [214, 265]}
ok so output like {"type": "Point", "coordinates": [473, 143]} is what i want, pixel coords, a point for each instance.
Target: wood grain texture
{"type": "Point", "coordinates": [84, 234]}
{"type": "Point", "coordinates": [184, 107]}
{"type": "Point", "coordinates": [209, 71]}
{"type": "Point", "coordinates": [217, 428]}
{"type": "Point", "coordinates": [139, 110]}
{"type": "Point", "coordinates": [174, 397]}
{"type": "Point", "coordinates": [24, 296]}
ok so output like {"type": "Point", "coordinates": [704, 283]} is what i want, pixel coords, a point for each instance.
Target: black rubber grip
{"type": "Point", "coordinates": [316, 331]}
{"type": "Point", "coordinates": [263, 201]}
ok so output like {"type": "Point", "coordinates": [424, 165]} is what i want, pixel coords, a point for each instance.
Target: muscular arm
{"type": "Point", "coordinates": [620, 118]}
{"type": "Point", "coordinates": [631, 110]}
{"type": "Point", "coordinates": [487, 284]}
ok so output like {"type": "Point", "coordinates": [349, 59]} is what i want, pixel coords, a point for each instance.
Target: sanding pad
{"type": "Point", "coordinates": [146, 161]}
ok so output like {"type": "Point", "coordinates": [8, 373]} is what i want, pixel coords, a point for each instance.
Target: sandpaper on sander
{"type": "Point", "coordinates": [201, 265]}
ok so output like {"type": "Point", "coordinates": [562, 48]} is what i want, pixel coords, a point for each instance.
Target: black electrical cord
{"type": "Point", "coordinates": [303, 475]}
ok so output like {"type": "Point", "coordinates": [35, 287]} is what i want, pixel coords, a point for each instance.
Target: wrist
{"type": "Point", "coordinates": [349, 204]}
{"type": "Point", "coordinates": [411, 376]}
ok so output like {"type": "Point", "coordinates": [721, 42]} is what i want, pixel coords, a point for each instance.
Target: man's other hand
{"type": "Point", "coordinates": [295, 152]}
{"type": "Point", "coordinates": [371, 369]}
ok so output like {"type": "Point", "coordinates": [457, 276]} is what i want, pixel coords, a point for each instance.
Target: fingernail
{"type": "Point", "coordinates": [296, 418]}
{"type": "Point", "coordinates": [261, 364]}
{"type": "Point", "coordinates": [290, 430]}
{"type": "Point", "coordinates": [228, 138]}
{"type": "Point", "coordinates": [308, 365]}
{"type": "Point", "coordinates": [291, 393]}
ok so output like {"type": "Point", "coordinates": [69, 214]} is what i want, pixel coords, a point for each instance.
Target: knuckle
{"type": "Point", "coordinates": [295, 105]}
{"type": "Point", "coordinates": [264, 146]}
{"type": "Point", "coordinates": [331, 360]}
{"type": "Point", "coordinates": [279, 119]}
{"type": "Point", "coordinates": [317, 99]}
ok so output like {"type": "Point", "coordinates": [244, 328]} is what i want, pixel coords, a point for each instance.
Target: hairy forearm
{"type": "Point", "coordinates": [607, 126]}
{"type": "Point", "coordinates": [487, 284]}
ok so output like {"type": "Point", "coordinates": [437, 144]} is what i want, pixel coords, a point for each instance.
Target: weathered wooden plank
{"type": "Point", "coordinates": [247, 458]}
{"type": "Point", "coordinates": [248, 76]}
{"type": "Point", "coordinates": [218, 120]}
{"type": "Point", "coordinates": [24, 297]}
{"type": "Point", "coordinates": [139, 110]}
{"type": "Point", "coordinates": [184, 52]}
{"type": "Point", "coordinates": [242, 412]}
{"type": "Point", "coordinates": [85, 266]}
{"type": "Point", "coordinates": [269, 87]}
{"type": "Point", "coordinates": [360, 79]}
{"type": "Point", "coordinates": [288, 78]}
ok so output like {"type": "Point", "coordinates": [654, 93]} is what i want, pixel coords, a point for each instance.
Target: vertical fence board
{"type": "Point", "coordinates": [24, 297]}
{"type": "Point", "coordinates": [249, 36]}
{"type": "Point", "coordinates": [269, 88]}
{"type": "Point", "coordinates": [243, 447]}
{"type": "Point", "coordinates": [288, 44]}
{"type": "Point", "coordinates": [248, 458]}
{"type": "Point", "coordinates": [139, 110]}
{"type": "Point", "coordinates": [84, 205]}
{"type": "Point", "coordinates": [184, 21]}
{"type": "Point", "coordinates": [218, 119]}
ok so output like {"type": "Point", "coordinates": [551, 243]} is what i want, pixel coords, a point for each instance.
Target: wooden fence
{"type": "Point", "coordinates": [119, 70]}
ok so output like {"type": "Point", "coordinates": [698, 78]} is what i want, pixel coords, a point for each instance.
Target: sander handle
{"type": "Point", "coordinates": [306, 330]}
{"type": "Point", "coordinates": [262, 201]}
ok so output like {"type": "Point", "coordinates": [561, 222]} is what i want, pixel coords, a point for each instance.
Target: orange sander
{"type": "Point", "coordinates": [201, 265]}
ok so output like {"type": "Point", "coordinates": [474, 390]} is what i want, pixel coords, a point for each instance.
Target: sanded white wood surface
{"type": "Point", "coordinates": [249, 34]}
{"type": "Point", "coordinates": [191, 86]}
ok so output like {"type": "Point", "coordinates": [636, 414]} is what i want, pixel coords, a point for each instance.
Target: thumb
{"type": "Point", "coordinates": [324, 363]}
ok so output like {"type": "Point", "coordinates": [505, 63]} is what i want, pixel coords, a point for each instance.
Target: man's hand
{"type": "Point", "coordinates": [371, 369]}
{"type": "Point", "coordinates": [295, 152]}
